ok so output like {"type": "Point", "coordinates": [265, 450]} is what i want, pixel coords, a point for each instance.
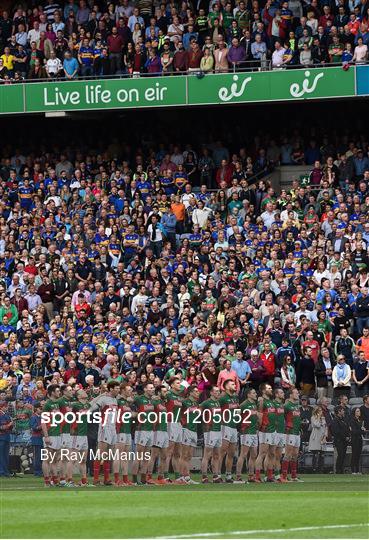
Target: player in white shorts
{"type": "Point", "coordinates": [280, 436]}
{"type": "Point", "coordinates": [124, 438]}
{"type": "Point", "coordinates": [107, 404]}
{"type": "Point", "coordinates": [265, 457]}
{"type": "Point", "coordinates": [230, 413]}
{"type": "Point", "coordinates": [211, 421]}
{"type": "Point", "coordinates": [161, 438]}
{"type": "Point", "coordinates": [51, 435]}
{"type": "Point", "coordinates": [249, 425]}
{"type": "Point", "coordinates": [174, 402]}
{"type": "Point", "coordinates": [293, 428]}
{"type": "Point", "coordinates": [79, 434]}
{"type": "Point", "coordinates": [191, 416]}
{"type": "Point", "coordinates": [144, 436]}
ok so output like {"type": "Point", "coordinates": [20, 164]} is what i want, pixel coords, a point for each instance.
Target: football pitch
{"type": "Point", "coordinates": [324, 506]}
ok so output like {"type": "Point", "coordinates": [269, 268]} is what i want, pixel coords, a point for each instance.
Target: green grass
{"type": "Point", "coordinates": [27, 510]}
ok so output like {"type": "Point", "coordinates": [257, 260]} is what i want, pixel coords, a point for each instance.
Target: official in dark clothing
{"type": "Point", "coordinates": [362, 311]}
{"type": "Point", "coordinates": [6, 425]}
{"type": "Point", "coordinates": [341, 437]}
{"type": "Point", "coordinates": [305, 372]}
{"type": "Point", "coordinates": [357, 429]}
{"type": "Point", "coordinates": [360, 375]}
{"type": "Point", "coordinates": [36, 440]}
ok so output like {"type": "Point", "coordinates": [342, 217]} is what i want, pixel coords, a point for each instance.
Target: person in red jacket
{"type": "Point", "coordinates": [268, 359]}
{"type": "Point", "coordinates": [225, 172]}
{"type": "Point", "coordinates": [72, 371]}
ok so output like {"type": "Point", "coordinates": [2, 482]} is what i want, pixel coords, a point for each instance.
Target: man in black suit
{"type": "Point", "coordinates": [245, 41]}
{"type": "Point", "coordinates": [341, 437]}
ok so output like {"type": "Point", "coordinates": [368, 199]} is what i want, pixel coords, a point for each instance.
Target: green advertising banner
{"type": "Point", "coordinates": [271, 86]}
{"type": "Point", "coordinates": [168, 91]}
{"type": "Point", "coordinates": [106, 94]}
{"type": "Point", "coordinates": [11, 98]}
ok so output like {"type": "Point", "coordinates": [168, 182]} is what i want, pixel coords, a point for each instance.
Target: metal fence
{"type": "Point", "coordinates": [245, 67]}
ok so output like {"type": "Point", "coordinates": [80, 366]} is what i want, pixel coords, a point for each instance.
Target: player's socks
{"type": "Point", "coordinates": [143, 478]}
{"type": "Point", "coordinates": [116, 478]}
{"type": "Point", "coordinates": [134, 478]}
{"type": "Point", "coordinates": [56, 480]}
{"type": "Point", "coordinates": [47, 480]}
{"type": "Point", "coordinates": [176, 476]}
{"type": "Point", "coordinates": [84, 480]}
{"type": "Point", "coordinates": [277, 473]}
{"type": "Point", "coordinates": [160, 477]}
{"type": "Point", "coordinates": [285, 465]}
{"type": "Point", "coordinates": [269, 474]}
{"type": "Point", "coordinates": [125, 478]}
{"type": "Point", "coordinates": [106, 467]}
{"type": "Point", "coordinates": [258, 474]}
{"type": "Point", "coordinates": [294, 469]}
{"type": "Point", "coordinates": [96, 469]}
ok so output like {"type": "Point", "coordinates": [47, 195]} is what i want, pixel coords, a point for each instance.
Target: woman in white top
{"type": "Point", "coordinates": [312, 22]}
{"type": "Point", "coordinates": [320, 273]}
{"type": "Point", "coordinates": [360, 52]}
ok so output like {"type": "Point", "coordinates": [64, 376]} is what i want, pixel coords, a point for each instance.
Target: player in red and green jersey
{"type": "Point", "coordinates": [107, 405]}
{"type": "Point", "coordinates": [124, 438]}
{"type": "Point", "coordinates": [293, 429]}
{"type": "Point", "coordinates": [265, 457]}
{"type": "Point", "coordinates": [144, 436]}
{"type": "Point", "coordinates": [191, 415]}
{"type": "Point", "coordinates": [174, 401]}
{"type": "Point", "coordinates": [249, 425]}
{"type": "Point", "coordinates": [211, 424]}
{"type": "Point", "coordinates": [280, 435]}
{"type": "Point", "coordinates": [161, 439]}
{"type": "Point", "coordinates": [66, 402]}
{"type": "Point", "coordinates": [230, 406]}
{"type": "Point", "coordinates": [51, 435]}
{"type": "Point", "coordinates": [79, 430]}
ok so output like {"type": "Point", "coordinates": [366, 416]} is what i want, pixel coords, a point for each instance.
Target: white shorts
{"type": "Point", "coordinates": [80, 442]}
{"type": "Point", "coordinates": [144, 438]}
{"type": "Point", "coordinates": [280, 440]}
{"type": "Point", "coordinates": [55, 442]}
{"type": "Point", "coordinates": [107, 436]}
{"type": "Point", "coordinates": [175, 432]}
{"type": "Point", "coordinates": [293, 440]}
{"type": "Point", "coordinates": [161, 439]}
{"type": "Point", "coordinates": [124, 438]}
{"type": "Point", "coordinates": [189, 437]}
{"type": "Point", "coordinates": [250, 440]}
{"type": "Point", "coordinates": [230, 434]}
{"type": "Point", "coordinates": [267, 438]}
{"type": "Point", "coordinates": [212, 439]}
{"type": "Point", "coordinates": [66, 440]}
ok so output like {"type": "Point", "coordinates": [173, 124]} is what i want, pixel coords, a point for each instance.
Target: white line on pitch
{"type": "Point", "coordinates": [260, 531]}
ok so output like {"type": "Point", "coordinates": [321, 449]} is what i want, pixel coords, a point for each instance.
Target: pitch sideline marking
{"type": "Point", "coordinates": [261, 531]}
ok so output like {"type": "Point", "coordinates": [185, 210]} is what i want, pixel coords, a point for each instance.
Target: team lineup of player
{"type": "Point", "coordinates": [264, 430]}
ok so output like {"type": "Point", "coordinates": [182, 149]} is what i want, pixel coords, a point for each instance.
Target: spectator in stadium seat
{"type": "Point", "coordinates": [341, 377]}
{"type": "Point", "coordinates": [70, 66]}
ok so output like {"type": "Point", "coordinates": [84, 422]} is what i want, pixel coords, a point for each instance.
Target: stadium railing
{"type": "Point", "coordinates": [247, 66]}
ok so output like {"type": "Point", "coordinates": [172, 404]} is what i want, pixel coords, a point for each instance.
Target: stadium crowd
{"type": "Point", "coordinates": [127, 281]}
{"type": "Point", "coordinates": [81, 39]}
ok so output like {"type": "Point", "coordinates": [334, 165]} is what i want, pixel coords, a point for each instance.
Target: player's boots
{"type": "Point", "coordinates": [239, 480]}
{"type": "Point", "coordinates": [150, 480]}
{"type": "Point", "coordinates": [204, 480]}
{"type": "Point", "coordinates": [161, 481]}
